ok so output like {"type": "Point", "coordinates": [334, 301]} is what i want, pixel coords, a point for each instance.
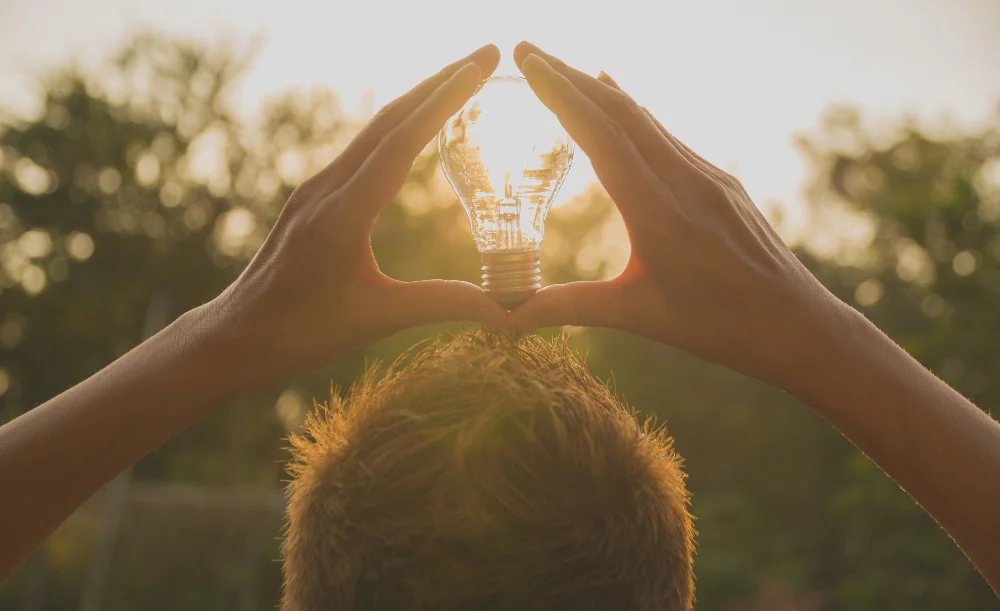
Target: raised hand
{"type": "Point", "coordinates": [314, 289]}
{"type": "Point", "coordinates": [707, 273]}
{"type": "Point", "coordinates": [313, 292]}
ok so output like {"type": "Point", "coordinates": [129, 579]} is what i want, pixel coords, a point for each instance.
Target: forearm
{"type": "Point", "coordinates": [57, 455]}
{"type": "Point", "coordinates": [933, 442]}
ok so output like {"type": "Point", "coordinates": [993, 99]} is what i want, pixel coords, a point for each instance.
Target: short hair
{"type": "Point", "coordinates": [485, 474]}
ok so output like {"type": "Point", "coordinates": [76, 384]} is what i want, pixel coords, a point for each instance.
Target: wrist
{"type": "Point", "coordinates": [210, 351]}
{"type": "Point", "coordinates": [814, 341]}
{"type": "Point", "coordinates": [248, 350]}
{"type": "Point", "coordinates": [821, 341]}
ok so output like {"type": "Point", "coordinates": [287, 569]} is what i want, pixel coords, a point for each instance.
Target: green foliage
{"type": "Point", "coordinates": [137, 194]}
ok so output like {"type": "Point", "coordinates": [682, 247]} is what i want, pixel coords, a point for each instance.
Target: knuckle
{"type": "Point", "coordinates": [305, 192]}
{"type": "Point", "coordinates": [320, 181]}
{"type": "Point", "coordinates": [611, 132]}
{"type": "Point", "coordinates": [733, 182]}
{"type": "Point", "coordinates": [721, 183]}
{"type": "Point", "coordinates": [394, 139]}
{"type": "Point", "coordinates": [302, 220]}
{"type": "Point", "coordinates": [635, 116]}
{"type": "Point", "coordinates": [385, 113]}
{"type": "Point", "coordinates": [715, 190]}
{"type": "Point", "coordinates": [627, 107]}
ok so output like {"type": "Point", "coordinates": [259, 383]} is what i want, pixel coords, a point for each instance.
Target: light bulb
{"type": "Point", "coordinates": [506, 156]}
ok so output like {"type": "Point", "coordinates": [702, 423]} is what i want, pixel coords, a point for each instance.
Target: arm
{"type": "Point", "coordinates": [932, 441]}
{"type": "Point", "coordinates": [708, 275]}
{"type": "Point", "coordinates": [57, 455]}
{"type": "Point", "coordinates": [313, 292]}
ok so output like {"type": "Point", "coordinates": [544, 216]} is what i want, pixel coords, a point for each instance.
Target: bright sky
{"type": "Point", "coordinates": [735, 79]}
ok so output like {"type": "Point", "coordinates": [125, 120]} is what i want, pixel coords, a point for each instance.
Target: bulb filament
{"type": "Point", "coordinates": [508, 213]}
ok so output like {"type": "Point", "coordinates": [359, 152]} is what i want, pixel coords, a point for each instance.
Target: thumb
{"type": "Point", "coordinates": [583, 304]}
{"type": "Point", "coordinates": [430, 301]}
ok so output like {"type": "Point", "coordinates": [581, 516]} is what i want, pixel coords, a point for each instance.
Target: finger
{"type": "Point", "coordinates": [580, 304]}
{"type": "Point", "coordinates": [697, 161]}
{"type": "Point", "coordinates": [710, 170]}
{"type": "Point", "coordinates": [385, 170]}
{"type": "Point", "coordinates": [432, 301]}
{"type": "Point", "coordinates": [721, 176]}
{"type": "Point", "coordinates": [619, 166]}
{"type": "Point", "coordinates": [391, 115]}
{"type": "Point", "coordinates": [605, 78]}
{"type": "Point", "coordinates": [662, 156]}
{"type": "Point", "coordinates": [693, 157]}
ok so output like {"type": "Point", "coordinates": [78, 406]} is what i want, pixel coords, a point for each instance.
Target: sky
{"type": "Point", "coordinates": [736, 80]}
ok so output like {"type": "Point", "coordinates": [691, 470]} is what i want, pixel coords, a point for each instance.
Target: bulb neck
{"type": "Point", "coordinates": [511, 277]}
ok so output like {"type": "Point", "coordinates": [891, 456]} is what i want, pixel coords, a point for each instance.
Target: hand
{"type": "Point", "coordinates": [314, 290]}
{"type": "Point", "coordinates": [707, 274]}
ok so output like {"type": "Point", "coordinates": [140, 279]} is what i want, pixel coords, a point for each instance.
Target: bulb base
{"type": "Point", "coordinates": [511, 277]}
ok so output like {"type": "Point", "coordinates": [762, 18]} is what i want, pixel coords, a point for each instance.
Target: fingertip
{"type": "Point", "coordinates": [522, 50]}
{"type": "Point", "coordinates": [605, 78]}
{"type": "Point", "coordinates": [471, 73]}
{"type": "Point", "coordinates": [533, 65]}
{"type": "Point", "coordinates": [524, 318]}
{"type": "Point", "coordinates": [487, 49]}
{"type": "Point", "coordinates": [471, 303]}
{"type": "Point", "coordinates": [558, 305]}
{"type": "Point", "coordinates": [489, 313]}
{"type": "Point", "coordinates": [523, 327]}
{"type": "Point", "coordinates": [497, 322]}
{"type": "Point", "coordinates": [487, 58]}
{"type": "Point", "coordinates": [434, 301]}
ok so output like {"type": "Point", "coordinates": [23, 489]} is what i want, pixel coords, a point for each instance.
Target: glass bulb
{"type": "Point", "coordinates": [506, 156]}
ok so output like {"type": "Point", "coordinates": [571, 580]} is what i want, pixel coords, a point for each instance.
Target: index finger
{"type": "Point", "coordinates": [619, 166]}
{"type": "Point", "coordinates": [383, 173]}
{"type": "Point", "coordinates": [348, 162]}
{"type": "Point", "coordinates": [663, 157]}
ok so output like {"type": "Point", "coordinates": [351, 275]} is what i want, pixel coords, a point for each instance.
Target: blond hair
{"type": "Point", "coordinates": [481, 473]}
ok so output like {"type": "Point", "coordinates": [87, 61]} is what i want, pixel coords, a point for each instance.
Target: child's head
{"type": "Point", "coordinates": [482, 475]}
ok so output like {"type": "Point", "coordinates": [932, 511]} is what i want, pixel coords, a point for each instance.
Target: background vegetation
{"type": "Point", "coordinates": [137, 194]}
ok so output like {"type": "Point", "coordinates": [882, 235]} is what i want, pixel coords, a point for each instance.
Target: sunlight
{"type": "Point", "coordinates": [506, 142]}
{"type": "Point", "coordinates": [738, 110]}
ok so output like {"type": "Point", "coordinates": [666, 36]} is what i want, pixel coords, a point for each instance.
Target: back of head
{"type": "Point", "coordinates": [485, 475]}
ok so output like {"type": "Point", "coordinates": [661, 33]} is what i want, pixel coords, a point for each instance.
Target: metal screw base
{"type": "Point", "coordinates": [511, 277]}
